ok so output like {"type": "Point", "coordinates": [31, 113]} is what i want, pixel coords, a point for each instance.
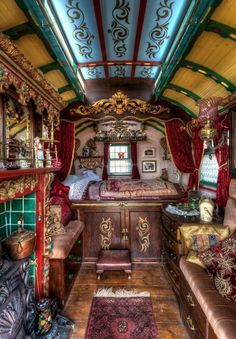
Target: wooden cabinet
{"type": "Point", "coordinates": [171, 245]}
{"type": "Point", "coordinates": [120, 225]}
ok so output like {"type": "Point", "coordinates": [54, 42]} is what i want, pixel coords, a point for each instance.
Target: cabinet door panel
{"type": "Point", "coordinates": [102, 231]}
{"type": "Point", "coordinates": [145, 235]}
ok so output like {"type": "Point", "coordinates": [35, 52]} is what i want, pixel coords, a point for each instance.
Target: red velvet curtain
{"type": "Point", "coordinates": [222, 153]}
{"type": "Point", "coordinates": [66, 136]}
{"type": "Point", "coordinates": [106, 158]}
{"type": "Point", "coordinates": [135, 172]}
{"type": "Point", "coordinates": [180, 147]}
{"type": "Point", "coordinates": [197, 144]}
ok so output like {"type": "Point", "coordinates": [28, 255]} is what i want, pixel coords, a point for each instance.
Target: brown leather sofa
{"type": "Point", "coordinates": [204, 311]}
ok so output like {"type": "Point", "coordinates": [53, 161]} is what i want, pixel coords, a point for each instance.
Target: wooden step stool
{"type": "Point", "coordinates": [114, 260]}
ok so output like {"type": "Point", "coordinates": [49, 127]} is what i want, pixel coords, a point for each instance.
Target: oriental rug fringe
{"type": "Point", "coordinates": [122, 314]}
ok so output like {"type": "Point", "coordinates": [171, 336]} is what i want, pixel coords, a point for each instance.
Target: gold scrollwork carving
{"type": "Point", "coordinates": [143, 229]}
{"type": "Point", "coordinates": [106, 233]}
{"type": "Point", "coordinates": [13, 52]}
{"type": "Point", "coordinates": [119, 103]}
{"type": "Point", "coordinates": [10, 188]}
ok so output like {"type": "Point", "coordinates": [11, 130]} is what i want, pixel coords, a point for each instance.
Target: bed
{"type": "Point", "coordinates": [122, 214]}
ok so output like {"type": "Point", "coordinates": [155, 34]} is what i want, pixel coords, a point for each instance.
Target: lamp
{"type": "Point", "coordinates": [208, 115]}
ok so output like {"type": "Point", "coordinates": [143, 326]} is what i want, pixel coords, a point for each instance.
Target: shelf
{"type": "Point", "coordinates": [14, 173]}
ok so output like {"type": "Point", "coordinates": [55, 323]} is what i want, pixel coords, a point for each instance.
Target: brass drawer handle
{"type": "Point", "coordinates": [171, 242]}
{"type": "Point", "coordinates": [190, 323]}
{"type": "Point", "coordinates": [173, 256]}
{"type": "Point", "coordinates": [190, 300]}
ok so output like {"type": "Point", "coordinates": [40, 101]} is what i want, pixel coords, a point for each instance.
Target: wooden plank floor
{"type": "Point", "coordinates": [164, 303]}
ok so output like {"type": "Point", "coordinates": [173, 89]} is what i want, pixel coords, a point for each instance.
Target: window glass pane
{"type": "Point", "coordinates": [120, 162]}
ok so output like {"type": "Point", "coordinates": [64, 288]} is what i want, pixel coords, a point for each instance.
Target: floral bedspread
{"type": "Point", "coordinates": [131, 189]}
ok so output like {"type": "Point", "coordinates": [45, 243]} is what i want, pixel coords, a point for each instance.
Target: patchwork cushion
{"type": "Point", "coordinates": [220, 262]}
{"type": "Point", "coordinates": [198, 238]}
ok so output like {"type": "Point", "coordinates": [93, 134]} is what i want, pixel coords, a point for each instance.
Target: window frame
{"type": "Point", "coordinates": [120, 159]}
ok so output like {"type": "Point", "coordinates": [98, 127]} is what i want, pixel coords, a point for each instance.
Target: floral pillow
{"type": "Point", "coordinates": [220, 262]}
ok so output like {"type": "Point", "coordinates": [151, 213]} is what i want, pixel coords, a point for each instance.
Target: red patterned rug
{"type": "Point", "coordinates": [121, 315]}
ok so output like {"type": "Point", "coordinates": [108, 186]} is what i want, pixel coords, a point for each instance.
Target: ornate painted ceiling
{"type": "Point", "coordinates": [174, 51]}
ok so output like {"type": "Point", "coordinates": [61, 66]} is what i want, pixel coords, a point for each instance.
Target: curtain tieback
{"type": "Point", "coordinates": [223, 165]}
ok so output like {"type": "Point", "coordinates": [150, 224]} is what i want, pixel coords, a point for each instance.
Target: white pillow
{"type": "Point", "coordinates": [70, 179]}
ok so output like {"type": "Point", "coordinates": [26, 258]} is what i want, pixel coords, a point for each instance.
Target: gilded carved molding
{"type": "Point", "coordinates": [9, 189]}
{"type": "Point", "coordinates": [143, 229]}
{"type": "Point", "coordinates": [25, 92]}
{"type": "Point", "coordinates": [11, 50]}
{"type": "Point", "coordinates": [106, 233]}
{"type": "Point", "coordinates": [119, 104]}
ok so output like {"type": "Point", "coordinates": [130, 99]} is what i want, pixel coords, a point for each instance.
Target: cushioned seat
{"type": "Point", "coordinates": [220, 313]}
{"type": "Point", "coordinates": [63, 243]}
{"type": "Point", "coordinates": [112, 260]}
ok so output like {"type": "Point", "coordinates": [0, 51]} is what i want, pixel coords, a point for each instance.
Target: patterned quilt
{"type": "Point", "coordinates": [131, 189]}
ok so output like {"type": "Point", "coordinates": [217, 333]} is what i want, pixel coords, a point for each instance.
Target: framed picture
{"type": "Point", "coordinates": [149, 166]}
{"type": "Point", "coordinates": [150, 152]}
{"type": "Point", "coordinates": [232, 143]}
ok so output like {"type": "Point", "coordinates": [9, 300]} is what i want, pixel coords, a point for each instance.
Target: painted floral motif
{"type": "Point", "coordinates": [118, 30]}
{"type": "Point", "coordinates": [120, 71]}
{"type": "Point", "coordinates": [159, 32]}
{"type": "Point", "coordinates": [81, 32]}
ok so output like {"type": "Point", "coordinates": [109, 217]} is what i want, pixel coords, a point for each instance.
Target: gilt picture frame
{"type": "Point", "coordinates": [149, 166]}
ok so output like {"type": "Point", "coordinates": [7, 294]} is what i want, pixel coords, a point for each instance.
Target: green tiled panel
{"type": "Point", "coordinates": [29, 218]}
{"type": "Point", "coordinates": [17, 205]}
{"type": "Point", "coordinates": [10, 213]}
{"type": "Point", "coordinates": [29, 205]}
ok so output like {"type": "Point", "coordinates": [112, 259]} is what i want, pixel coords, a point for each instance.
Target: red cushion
{"type": "Point", "coordinates": [66, 213]}
{"type": "Point", "coordinates": [220, 262]}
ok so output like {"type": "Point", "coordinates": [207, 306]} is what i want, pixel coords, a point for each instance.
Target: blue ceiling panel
{"type": "Point", "coordinates": [147, 72]}
{"type": "Point", "coordinates": [120, 71]}
{"type": "Point", "coordinates": [93, 72]}
{"type": "Point", "coordinates": [119, 26]}
{"type": "Point", "coordinates": [161, 22]}
{"type": "Point", "coordinates": [78, 21]}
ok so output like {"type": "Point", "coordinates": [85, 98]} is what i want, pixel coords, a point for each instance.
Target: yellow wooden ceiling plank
{"type": "Point", "coordinates": [34, 49]}
{"type": "Point", "coordinates": [216, 53]}
{"type": "Point", "coordinates": [198, 83]}
{"type": "Point", "coordinates": [68, 95]}
{"type": "Point", "coordinates": [226, 13]}
{"type": "Point", "coordinates": [10, 15]}
{"type": "Point", "coordinates": [56, 78]}
{"type": "Point", "coordinates": [182, 99]}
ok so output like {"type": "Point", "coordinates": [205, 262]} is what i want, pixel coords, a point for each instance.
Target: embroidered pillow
{"type": "Point", "coordinates": [66, 213]}
{"type": "Point", "coordinates": [220, 262]}
{"type": "Point", "coordinates": [197, 239]}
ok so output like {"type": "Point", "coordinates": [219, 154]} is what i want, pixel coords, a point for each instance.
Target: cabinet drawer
{"type": "Point", "coordinates": [170, 226]}
{"type": "Point", "coordinates": [190, 302]}
{"type": "Point", "coordinates": [189, 321]}
{"type": "Point", "coordinates": [170, 242]}
{"type": "Point", "coordinates": [172, 272]}
{"type": "Point", "coordinates": [170, 252]}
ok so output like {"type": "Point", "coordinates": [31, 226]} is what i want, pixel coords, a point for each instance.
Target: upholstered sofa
{"type": "Point", "coordinates": [204, 311]}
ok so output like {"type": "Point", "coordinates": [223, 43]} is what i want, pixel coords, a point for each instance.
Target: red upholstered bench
{"type": "Point", "coordinates": [114, 260]}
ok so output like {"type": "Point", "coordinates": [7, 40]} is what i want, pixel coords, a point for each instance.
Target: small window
{"type": "Point", "coordinates": [119, 159]}
{"type": "Point", "coordinates": [208, 173]}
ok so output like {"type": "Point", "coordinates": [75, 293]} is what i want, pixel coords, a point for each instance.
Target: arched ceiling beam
{"type": "Point", "coordinates": [200, 14]}
{"type": "Point", "coordinates": [184, 91]}
{"type": "Point", "coordinates": [49, 67]}
{"type": "Point", "coordinates": [223, 30]}
{"type": "Point", "coordinates": [83, 126]}
{"type": "Point", "coordinates": [209, 73]}
{"type": "Point", "coordinates": [153, 125]}
{"type": "Point", "coordinates": [65, 89]}
{"type": "Point", "coordinates": [177, 103]}
{"type": "Point", "coordinates": [19, 31]}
